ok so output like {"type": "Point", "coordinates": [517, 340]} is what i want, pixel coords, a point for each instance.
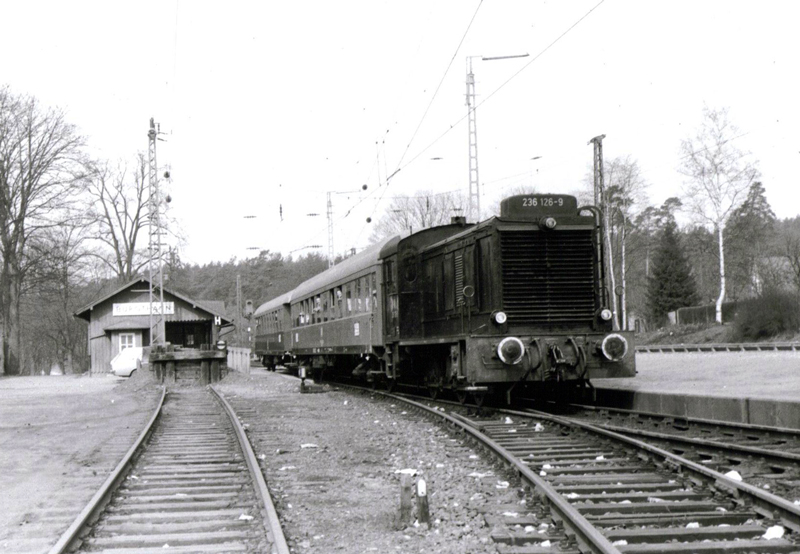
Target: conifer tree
{"type": "Point", "coordinates": [671, 285]}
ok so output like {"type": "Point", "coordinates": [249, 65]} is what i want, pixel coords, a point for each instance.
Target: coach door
{"type": "Point", "coordinates": [391, 307]}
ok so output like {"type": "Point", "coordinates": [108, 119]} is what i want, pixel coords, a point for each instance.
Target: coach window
{"type": "Point", "coordinates": [358, 295]}
{"type": "Point", "coordinates": [374, 292]}
{"type": "Point", "coordinates": [349, 297]}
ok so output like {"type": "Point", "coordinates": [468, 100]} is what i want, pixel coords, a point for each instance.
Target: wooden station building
{"type": "Point", "coordinates": [122, 319]}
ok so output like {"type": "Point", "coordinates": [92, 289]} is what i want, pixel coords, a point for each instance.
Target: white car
{"type": "Point", "coordinates": [126, 362]}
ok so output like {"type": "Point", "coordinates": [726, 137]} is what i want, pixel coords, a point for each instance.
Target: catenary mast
{"type": "Point", "coordinates": [155, 268]}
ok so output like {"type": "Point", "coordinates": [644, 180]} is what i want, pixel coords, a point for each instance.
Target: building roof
{"type": "Point", "coordinates": [213, 307]}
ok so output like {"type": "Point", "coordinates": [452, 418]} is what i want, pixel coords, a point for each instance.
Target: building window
{"type": "Point", "coordinates": [126, 340]}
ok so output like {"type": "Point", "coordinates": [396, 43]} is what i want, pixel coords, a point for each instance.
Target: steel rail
{"type": "Point", "coordinates": [733, 425]}
{"type": "Point", "coordinates": [730, 448]}
{"type": "Point", "coordinates": [271, 520]}
{"type": "Point", "coordinates": [101, 497]}
{"type": "Point", "coordinates": [588, 537]}
{"type": "Point", "coordinates": [765, 503]}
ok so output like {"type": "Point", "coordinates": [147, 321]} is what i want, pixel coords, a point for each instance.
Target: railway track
{"type": "Point", "coordinates": [763, 456]}
{"type": "Point", "coordinates": [597, 491]}
{"type": "Point", "coordinates": [195, 486]}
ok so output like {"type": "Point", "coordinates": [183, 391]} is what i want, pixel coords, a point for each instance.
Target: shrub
{"type": "Point", "coordinates": [773, 313]}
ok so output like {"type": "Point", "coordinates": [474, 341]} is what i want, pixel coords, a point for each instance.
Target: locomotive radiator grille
{"type": "Point", "coordinates": [548, 277]}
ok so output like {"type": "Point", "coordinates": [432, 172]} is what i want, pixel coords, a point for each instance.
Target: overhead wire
{"type": "Point", "coordinates": [513, 76]}
{"type": "Point", "coordinates": [400, 166]}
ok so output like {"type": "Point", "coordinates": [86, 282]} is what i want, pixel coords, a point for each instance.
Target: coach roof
{"type": "Point", "coordinates": [276, 302]}
{"type": "Point", "coordinates": [341, 271]}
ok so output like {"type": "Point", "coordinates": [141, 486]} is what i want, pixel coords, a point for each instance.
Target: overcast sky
{"type": "Point", "coordinates": [272, 103]}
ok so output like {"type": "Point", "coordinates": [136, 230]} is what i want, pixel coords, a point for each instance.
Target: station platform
{"type": "Point", "coordinates": [759, 388]}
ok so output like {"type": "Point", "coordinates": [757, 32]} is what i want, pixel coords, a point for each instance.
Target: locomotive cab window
{"type": "Point", "coordinates": [449, 291]}
{"type": "Point", "coordinates": [410, 268]}
{"type": "Point", "coordinates": [484, 270]}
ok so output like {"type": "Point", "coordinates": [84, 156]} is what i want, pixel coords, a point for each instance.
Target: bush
{"type": "Point", "coordinates": [773, 313]}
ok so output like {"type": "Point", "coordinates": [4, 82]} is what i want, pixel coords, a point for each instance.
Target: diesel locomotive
{"type": "Point", "coordinates": [518, 300]}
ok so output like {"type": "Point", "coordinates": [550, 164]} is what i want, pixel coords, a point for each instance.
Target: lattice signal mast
{"type": "Point", "coordinates": [155, 268]}
{"type": "Point", "coordinates": [474, 209]}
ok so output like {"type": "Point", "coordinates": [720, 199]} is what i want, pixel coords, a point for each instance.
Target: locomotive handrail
{"type": "Point", "coordinates": [601, 257]}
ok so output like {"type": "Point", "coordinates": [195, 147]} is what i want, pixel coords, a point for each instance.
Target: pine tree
{"type": "Point", "coordinates": [671, 285]}
{"type": "Point", "coordinates": [748, 234]}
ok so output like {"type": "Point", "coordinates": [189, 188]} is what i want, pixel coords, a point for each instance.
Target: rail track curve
{"type": "Point", "coordinates": [612, 493]}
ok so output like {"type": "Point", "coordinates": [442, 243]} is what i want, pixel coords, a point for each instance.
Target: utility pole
{"type": "Point", "coordinates": [600, 202]}
{"type": "Point", "coordinates": [155, 268]}
{"type": "Point", "coordinates": [239, 317]}
{"type": "Point", "coordinates": [330, 230]}
{"type": "Point", "coordinates": [598, 170]}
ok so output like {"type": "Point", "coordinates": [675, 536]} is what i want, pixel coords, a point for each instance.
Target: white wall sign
{"type": "Point", "coordinates": [142, 308]}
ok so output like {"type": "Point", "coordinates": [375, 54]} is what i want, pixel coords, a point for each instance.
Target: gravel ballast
{"type": "Point", "coordinates": [333, 463]}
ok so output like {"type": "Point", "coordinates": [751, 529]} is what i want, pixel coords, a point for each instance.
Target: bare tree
{"type": "Point", "coordinates": [625, 191]}
{"type": "Point", "coordinates": [119, 198]}
{"type": "Point", "coordinates": [624, 195]}
{"type": "Point", "coordinates": [54, 290]}
{"type": "Point", "coordinates": [719, 177]}
{"type": "Point", "coordinates": [408, 214]}
{"type": "Point", "coordinates": [40, 172]}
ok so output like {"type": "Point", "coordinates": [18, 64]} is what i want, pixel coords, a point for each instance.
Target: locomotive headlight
{"type": "Point", "coordinates": [605, 314]}
{"type": "Point", "coordinates": [510, 350]}
{"type": "Point", "coordinates": [548, 222]}
{"type": "Point", "coordinates": [500, 317]}
{"type": "Point", "coordinates": [614, 347]}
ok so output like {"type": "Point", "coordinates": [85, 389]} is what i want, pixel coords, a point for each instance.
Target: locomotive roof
{"type": "Point", "coordinates": [469, 229]}
{"type": "Point", "coordinates": [424, 238]}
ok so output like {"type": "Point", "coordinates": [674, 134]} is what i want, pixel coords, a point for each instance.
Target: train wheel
{"type": "Point", "coordinates": [391, 384]}
{"type": "Point", "coordinates": [479, 398]}
{"type": "Point", "coordinates": [461, 396]}
{"type": "Point", "coordinates": [434, 391]}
